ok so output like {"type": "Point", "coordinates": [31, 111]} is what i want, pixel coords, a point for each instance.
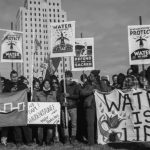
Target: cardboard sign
{"type": "Point", "coordinates": [43, 113]}
{"type": "Point", "coordinates": [11, 47]}
{"type": "Point", "coordinates": [84, 58]}
{"type": "Point", "coordinates": [123, 117]}
{"type": "Point", "coordinates": [63, 39]}
{"type": "Point", "coordinates": [139, 44]}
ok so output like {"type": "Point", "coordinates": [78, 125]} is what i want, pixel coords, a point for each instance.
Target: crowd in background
{"type": "Point", "coordinates": [80, 104]}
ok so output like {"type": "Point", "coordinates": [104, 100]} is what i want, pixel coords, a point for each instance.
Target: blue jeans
{"type": "Point", "coordinates": [72, 115]}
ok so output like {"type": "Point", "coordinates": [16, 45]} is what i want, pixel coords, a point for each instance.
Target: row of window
{"type": "Point", "coordinates": [44, 20]}
{"type": "Point", "coordinates": [44, 10]}
{"type": "Point", "coordinates": [45, 15]}
{"type": "Point", "coordinates": [35, 2]}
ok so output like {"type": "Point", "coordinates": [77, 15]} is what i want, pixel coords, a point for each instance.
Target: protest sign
{"type": "Point", "coordinates": [139, 44]}
{"type": "Point", "coordinates": [63, 39]}
{"type": "Point", "coordinates": [11, 47]}
{"type": "Point", "coordinates": [43, 113]}
{"type": "Point", "coordinates": [84, 54]}
{"type": "Point", "coordinates": [123, 117]}
{"type": "Point", "coordinates": [13, 109]}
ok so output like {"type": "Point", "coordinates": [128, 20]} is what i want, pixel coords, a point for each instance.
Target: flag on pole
{"type": "Point", "coordinates": [37, 45]}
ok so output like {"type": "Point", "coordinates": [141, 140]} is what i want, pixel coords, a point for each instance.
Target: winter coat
{"type": "Point", "coordinates": [73, 90]}
{"type": "Point", "coordinates": [45, 97]}
{"type": "Point", "coordinates": [87, 93]}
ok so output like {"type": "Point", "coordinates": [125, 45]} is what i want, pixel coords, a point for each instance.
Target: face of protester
{"type": "Point", "coordinates": [14, 77]}
{"type": "Point", "coordinates": [37, 85]}
{"type": "Point", "coordinates": [92, 77]}
{"type": "Point", "coordinates": [55, 84]}
{"type": "Point", "coordinates": [68, 80]}
{"type": "Point", "coordinates": [143, 81]}
{"type": "Point", "coordinates": [25, 81]}
{"type": "Point", "coordinates": [41, 79]}
{"type": "Point", "coordinates": [47, 85]}
{"type": "Point", "coordinates": [115, 79]}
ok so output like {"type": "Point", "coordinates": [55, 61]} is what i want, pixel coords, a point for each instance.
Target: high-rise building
{"type": "Point", "coordinates": [34, 20]}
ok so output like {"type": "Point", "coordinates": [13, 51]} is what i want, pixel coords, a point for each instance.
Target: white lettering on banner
{"type": "Point", "coordinates": [43, 113]}
{"type": "Point", "coordinates": [123, 116]}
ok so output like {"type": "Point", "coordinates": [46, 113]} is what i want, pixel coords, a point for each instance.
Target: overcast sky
{"type": "Point", "coordinates": [105, 20]}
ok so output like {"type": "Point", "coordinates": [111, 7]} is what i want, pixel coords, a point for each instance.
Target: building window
{"type": "Point", "coordinates": [30, 8]}
{"type": "Point", "coordinates": [26, 24]}
{"type": "Point", "coordinates": [26, 41]}
{"type": "Point", "coordinates": [58, 15]}
{"type": "Point", "coordinates": [34, 2]}
{"type": "Point", "coordinates": [50, 20]}
{"type": "Point", "coordinates": [34, 14]}
{"type": "Point", "coordinates": [39, 3]}
{"type": "Point", "coordinates": [30, 19]}
{"type": "Point", "coordinates": [53, 10]}
{"type": "Point", "coordinates": [26, 47]}
{"type": "Point", "coordinates": [57, 10]}
{"type": "Point", "coordinates": [49, 3]}
{"type": "Point", "coordinates": [27, 58]}
{"type": "Point", "coordinates": [31, 14]}
{"type": "Point", "coordinates": [39, 14]}
{"type": "Point", "coordinates": [25, 19]}
{"type": "Point", "coordinates": [57, 4]}
{"type": "Point", "coordinates": [26, 30]}
{"type": "Point", "coordinates": [53, 4]}
{"type": "Point", "coordinates": [62, 16]}
{"type": "Point", "coordinates": [50, 10]}
{"type": "Point", "coordinates": [39, 9]}
{"type": "Point", "coordinates": [27, 70]}
{"type": "Point", "coordinates": [27, 65]}
{"type": "Point", "coordinates": [30, 2]}
{"type": "Point", "coordinates": [34, 8]}
{"type": "Point", "coordinates": [54, 15]}
{"type": "Point", "coordinates": [26, 14]}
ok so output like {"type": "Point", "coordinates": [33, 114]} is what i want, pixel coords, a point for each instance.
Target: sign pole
{"type": "Point", "coordinates": [66, 112]}
{"type": "Point", "coordinates": [83, 68]}
{"type": "Point", "coordinates": [12, 60]}
{"type": "Point", "coordinates": [143, 67]}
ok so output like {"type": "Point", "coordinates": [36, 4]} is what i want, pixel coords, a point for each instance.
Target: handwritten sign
{"type": "Point", "coordinates": [43, 113]}
{"type": "Point", "coordinates": [123, 117]}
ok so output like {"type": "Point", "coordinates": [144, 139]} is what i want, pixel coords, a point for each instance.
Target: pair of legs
{"type": "Point", "coordinates": [49, 130]}
{"type": "Point", "coordinates": [72, 115]}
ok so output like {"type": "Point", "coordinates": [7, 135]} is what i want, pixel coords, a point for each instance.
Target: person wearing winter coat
{"type": "Point", "coordinates": [89, 104]}
{"type": "Point", "coordinates": [46, 95]}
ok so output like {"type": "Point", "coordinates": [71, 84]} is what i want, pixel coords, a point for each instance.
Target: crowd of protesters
{"type": "Point", "coordinates": [79, 105]}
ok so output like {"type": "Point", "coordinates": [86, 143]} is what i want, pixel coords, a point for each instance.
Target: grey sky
{"type": "Point", "coordinates": [105, 20]}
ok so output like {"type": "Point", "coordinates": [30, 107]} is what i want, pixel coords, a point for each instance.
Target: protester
{"type": "Point", "coordinates": [120, 80]}
{"type": "Point", "coordinates": [72, 96]}
{"type": "Point", "coordinates": [13, 86]}
{"type": "Point", "coordinates": [105, 84]}
{"type": "Point", "coordinates": [89, 104]}
{"type": "Point", "coordinates": [114, 80]}
{"type": "Point", "coordinates": [46, 95]}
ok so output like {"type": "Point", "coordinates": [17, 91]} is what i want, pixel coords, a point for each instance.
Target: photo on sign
{"type": "Point", "coordinates": [11, 47]}
{"type": "Point", "coordinates": [139, 44]}
{"type": "Point", "coordinates": [62, 39]}
{"type": "Point", "coordinates": [84, 54]}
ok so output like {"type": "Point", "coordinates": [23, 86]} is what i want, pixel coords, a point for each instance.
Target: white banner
{"type": "Point", "coordinates": [84, 58]}
{"type": "Point", "coordinates": [139, 44]}
{"type": "Point", "coordinates": [63, 39]}
{"type": "Point", "coordinates": [43, 113]}
{"type": "Point", "coordinates": [123, 117]}
{"type": "Point", "coordinates": [11, 47]}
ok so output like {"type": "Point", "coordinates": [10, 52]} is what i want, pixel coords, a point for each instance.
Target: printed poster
{"type": "Point", "coordinates": [11, 47]}
{"type": "Point", "coordinates": [63, 39]}
{"type": "Point", "coordinates": [43, 113]}
{"type": "Point", "coordinates": [123, 117]}
{"type": "Point", "coordinates": [139, 44]}
{"type": "Point", "coordinates": [84, 54]}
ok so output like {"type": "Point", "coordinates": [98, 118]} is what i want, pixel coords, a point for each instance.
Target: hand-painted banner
{"type": "Point", "coordinates": [63, 39]}
{"type": "Point", "coordinates": [43, 113]}
{"type": "Point", "coordinates": [84, 58]}
{"type": "Point", "coordinates": [123, 117]}
{"type": "Point", "coordinates": [11, 47]}
{"type": "Point", "coordinates": [139, 44]}
{"type": "Point", "coordinates": [13, 109]}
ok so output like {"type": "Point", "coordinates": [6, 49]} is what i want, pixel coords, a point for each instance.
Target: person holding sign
{"type": "Point", "coordinates": [46, 95]}
{"type": "Point", "coordinates": [72, 96]}
{"type": "Point", "coordinates": [89, 104]}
